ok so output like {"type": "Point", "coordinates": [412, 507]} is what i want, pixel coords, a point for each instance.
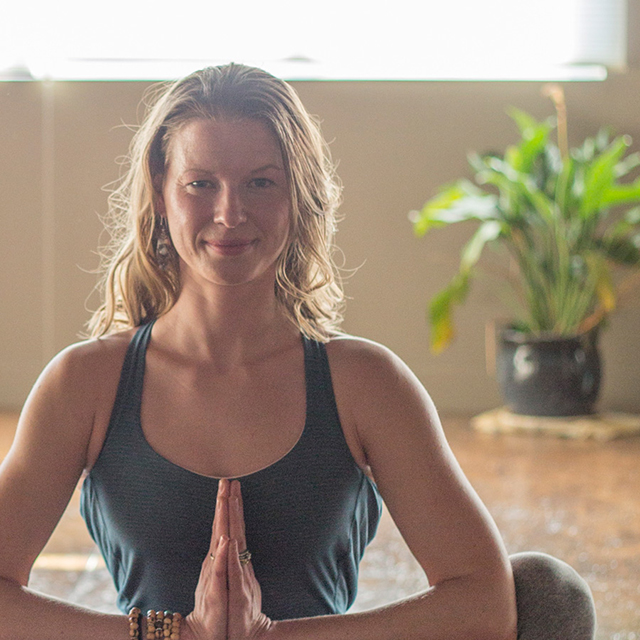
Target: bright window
{"type": "Point", "coordinates": [328, 39]}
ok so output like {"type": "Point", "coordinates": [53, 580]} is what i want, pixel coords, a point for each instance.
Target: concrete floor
{"type": "Point", "coordinates": [578, 501]}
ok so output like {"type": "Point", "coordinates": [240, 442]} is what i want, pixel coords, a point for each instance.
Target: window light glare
{"type": "Point", "coordinates": [457, 39]}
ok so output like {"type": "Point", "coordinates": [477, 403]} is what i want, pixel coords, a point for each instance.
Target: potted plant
{"type": "Point", "coordinates": [567, 221]}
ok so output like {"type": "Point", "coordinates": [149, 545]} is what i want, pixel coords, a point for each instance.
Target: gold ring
{"type": "Point", "coordinates": [212, 556]}
{"type": "Point", "coordinates": [245, 556]}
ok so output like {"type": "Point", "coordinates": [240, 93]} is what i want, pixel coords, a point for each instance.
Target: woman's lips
{"type": "Point", "coordinates": [230, 247]}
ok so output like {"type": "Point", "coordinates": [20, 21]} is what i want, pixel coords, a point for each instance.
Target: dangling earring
{"type": "Point", "coordinates": [163, 245]}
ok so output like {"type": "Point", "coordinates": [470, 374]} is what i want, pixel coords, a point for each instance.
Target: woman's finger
{"type": "Point", "coordinates": [236, 516]}
{"type": "Point", "coordinates": [220, 525]}
{"type": "Point", "coordinates": [208, 620]}
{"type": "Point", "coordinates": [245, 618]}
{"type": "Point", "coordinates": [241, 505]}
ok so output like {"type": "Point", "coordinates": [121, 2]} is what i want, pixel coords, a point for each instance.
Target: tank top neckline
{"type": "Point", "coordinates": [141, 340]}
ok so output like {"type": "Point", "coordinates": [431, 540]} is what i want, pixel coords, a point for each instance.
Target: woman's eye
{"type": "Point", "coordinates": [200, 184]}
{"type": "Point", "coordinates": [261, 183]}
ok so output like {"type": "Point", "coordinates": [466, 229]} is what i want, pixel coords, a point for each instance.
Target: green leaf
{"type": "Point", "coordinates": [482, 162]}
{"type": "Point", "coordinates": [563, 188]}
{"type": "Point", "coordinates": [600, 274]}
{"type": "Point", "coordinates": [458, 203]}
{"type": "Point", "coordinates": [534, 138]}
{"type": "Point", "coordinates": [441, 309]}
{"type": "Point", "coordinates": [628, 164]}
{"type": "Point", "coordinates": [586, 152]}
{"type": "Point", "coordinates": [513, 157]}
{"type": "Point", "coordinates": [618, 194]}
{"type": "Point", "coordinates": [622, 228]}
{"type": "Point", "coordinates": [621, 249]}
{"type": "Point", "coordinates": [602, 139]}
{"type": "Point", "coordinates": [486, 232]}
{"type": "Point", "coordinates": [600, 176]}
{"type": "Point", "coordinates": [543, 205]}
{"type": "Point", "coordinates": [515, 186]}
{"type": "Point", "coordinates": [525, 121]}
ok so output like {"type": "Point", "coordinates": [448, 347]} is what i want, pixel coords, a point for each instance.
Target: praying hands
{"type": "Point", "coordinates": [228, 600]}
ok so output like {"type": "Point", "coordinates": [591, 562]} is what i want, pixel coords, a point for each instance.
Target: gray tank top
{"type": "Point", "coordinates": [309, 516]}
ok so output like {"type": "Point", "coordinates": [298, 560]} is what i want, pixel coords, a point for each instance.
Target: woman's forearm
{"type": "Point", "coordinates": [27, 615]}
{"type": "Point", "coordinates": [465, 608]}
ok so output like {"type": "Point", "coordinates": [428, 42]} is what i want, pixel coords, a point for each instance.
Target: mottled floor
{"type": "Point", "coordinates": [579, 501]}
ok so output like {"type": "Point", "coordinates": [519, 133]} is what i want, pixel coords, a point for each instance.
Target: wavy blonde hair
{"type": "Point", "coordinates": [137, 290]}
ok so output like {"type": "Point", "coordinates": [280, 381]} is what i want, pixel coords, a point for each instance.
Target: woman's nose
{"type": "Point", "coordinates": [229, 209]}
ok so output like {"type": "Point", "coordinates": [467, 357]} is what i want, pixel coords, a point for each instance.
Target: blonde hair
{"type": "Point", "coordinates": [137, 289]}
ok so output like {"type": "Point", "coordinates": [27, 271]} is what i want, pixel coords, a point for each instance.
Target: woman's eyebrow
{"type": "Point", "coordinates": [265, 167]}
{"type": "Point", "coordinates": [268, 166]}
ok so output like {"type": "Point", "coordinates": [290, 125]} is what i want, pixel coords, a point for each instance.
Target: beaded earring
{"type": "Point", "coordinates": [163, 245]}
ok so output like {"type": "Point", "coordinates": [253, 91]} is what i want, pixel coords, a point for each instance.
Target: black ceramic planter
{"type": "Point", "coordinates": [547, 376]}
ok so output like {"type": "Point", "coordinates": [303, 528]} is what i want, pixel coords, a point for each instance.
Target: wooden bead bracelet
{"type": "Point", "coordinates": [161, 625]}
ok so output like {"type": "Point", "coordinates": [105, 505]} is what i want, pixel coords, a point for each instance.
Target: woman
{"type": "Point", "coordinates": [230, 434]}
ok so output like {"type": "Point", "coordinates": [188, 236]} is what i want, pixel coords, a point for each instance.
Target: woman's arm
{"type": "Point", "coordinates": [444, 523]}
{"type": "Point", "coordinates": [391, 424]}
{"type": "Point", "coordinates": [37, 479]}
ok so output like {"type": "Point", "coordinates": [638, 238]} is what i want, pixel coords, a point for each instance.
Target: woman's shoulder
{"type": "Point", "coordinates": [363, 357]}
{"type": "Point", "coordinates": [84, 376]}
{"type": "Point", "coordinates": [366, 374]}
{"type": "Point", "coordinates": [380, 402]}
{"type": "Point", "coordinates": [71, 401]}
{"type": "Point", "coordinates": [90, 359]}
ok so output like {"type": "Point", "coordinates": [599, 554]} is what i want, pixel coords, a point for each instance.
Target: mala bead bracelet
{"type": "Point", "coordinates": [134, 623]}
{"type": "Point", "coordinates": [161, 625]}
{"type": "Point", "coordinates": [151, 624]}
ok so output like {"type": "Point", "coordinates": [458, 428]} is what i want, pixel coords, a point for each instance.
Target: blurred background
{"type": "Point", "coordinates": [395, 142]}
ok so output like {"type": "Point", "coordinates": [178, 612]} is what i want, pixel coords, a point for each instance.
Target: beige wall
{"type": "Point", "coordinates": [395, 143]}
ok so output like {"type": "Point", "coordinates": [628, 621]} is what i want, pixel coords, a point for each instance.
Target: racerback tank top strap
{"type": "Point", "coordinates": [129, 394]}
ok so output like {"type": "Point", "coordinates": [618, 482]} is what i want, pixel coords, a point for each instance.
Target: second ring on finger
{"type": "Point", "coordinates": [243, 556]}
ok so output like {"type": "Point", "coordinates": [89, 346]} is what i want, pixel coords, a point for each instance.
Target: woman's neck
{"type": "Point", "coordinates": [238, 323]}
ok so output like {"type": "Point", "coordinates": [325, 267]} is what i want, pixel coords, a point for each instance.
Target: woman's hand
{"type": "Point", "coordinates": [245, 618]}
{"type": "Point", "coordinates": [228, 600]}
{"type": "Point", "coordinates": [208, 620]}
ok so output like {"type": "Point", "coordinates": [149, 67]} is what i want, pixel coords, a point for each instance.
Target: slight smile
{"type": "Point", "coordinates": [230, 247]}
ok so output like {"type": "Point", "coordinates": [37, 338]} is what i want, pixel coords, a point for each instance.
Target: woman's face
{"type": "Point", "coordinates": [226, 199]}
